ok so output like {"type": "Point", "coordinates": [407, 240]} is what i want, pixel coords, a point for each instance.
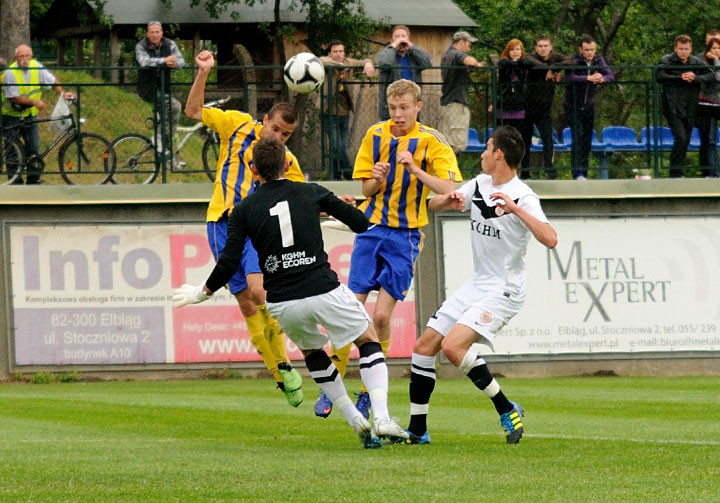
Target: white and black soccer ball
{"type": "Point", "coordinates": [304, 73]}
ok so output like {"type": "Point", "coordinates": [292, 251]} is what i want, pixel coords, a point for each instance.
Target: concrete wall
{"type": "Point", "coordinates": [187, 202]}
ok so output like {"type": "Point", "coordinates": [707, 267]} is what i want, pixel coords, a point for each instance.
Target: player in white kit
{"type": "Point", "coordinates": [504, 214]}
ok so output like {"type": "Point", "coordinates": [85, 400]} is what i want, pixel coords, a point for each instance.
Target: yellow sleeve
{"type": "Point", "coordinates": [364, 161]}
{"type": "Point", "coordinates": [224, 122]}
{"type": "Point", "coordinates": [294, 174]}
{"type": "Point", "coordinates": [443, 161]}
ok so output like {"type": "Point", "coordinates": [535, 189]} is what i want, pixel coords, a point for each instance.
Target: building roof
{"type": "Point", "coordinates": [408, 12]}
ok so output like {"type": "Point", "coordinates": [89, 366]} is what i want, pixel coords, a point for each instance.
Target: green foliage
{"type": "Point", "coordinates": [42, 378]}
{"type": "Point", "coordinates": [587, 439]}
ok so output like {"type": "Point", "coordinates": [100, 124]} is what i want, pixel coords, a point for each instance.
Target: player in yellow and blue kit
{"type": "Point", "coordinates": [234, 181]}
{"type": "Point", "coordinates": [399, 162]}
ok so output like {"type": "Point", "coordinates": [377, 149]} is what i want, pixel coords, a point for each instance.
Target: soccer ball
{"type": "Point", "coordinates": [304, 73]}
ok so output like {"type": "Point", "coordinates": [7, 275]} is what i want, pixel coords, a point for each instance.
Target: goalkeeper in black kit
{"type": "Point", "coordinates": [282, 219]}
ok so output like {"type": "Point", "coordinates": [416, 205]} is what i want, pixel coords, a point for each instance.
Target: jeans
{"type": "Point", "coordinates": [581, 122]}
{"type": "Point", "coordinates": [681, 128]}
{"type": "Point", "coordinates": [707, 126]}
{"type": "Point", "coordinates": [31, 138]}
{"type": "Point", "coordinates": [543, 121]}
{"type": "Point", "coordinates": [337, 128]}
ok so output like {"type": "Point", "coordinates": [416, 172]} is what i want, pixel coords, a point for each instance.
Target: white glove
{"type": "Point", "coordinates": [190, 294]}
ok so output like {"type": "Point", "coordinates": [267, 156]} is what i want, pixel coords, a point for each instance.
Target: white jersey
{"type": "Point", "coordinates": [499, 239]}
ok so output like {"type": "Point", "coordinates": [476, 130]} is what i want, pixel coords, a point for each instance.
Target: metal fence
{"type": "Point", "coordinates": [161, 154]}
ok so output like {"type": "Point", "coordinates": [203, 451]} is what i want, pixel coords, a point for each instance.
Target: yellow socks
{"type": "Point", "coordinates": [256, 327]}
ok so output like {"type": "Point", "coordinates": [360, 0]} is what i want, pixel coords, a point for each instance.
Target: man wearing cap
{"type": "Point", "coordinates": [454, 111]}
{"type": "Point", "coordinates": [156, 54]}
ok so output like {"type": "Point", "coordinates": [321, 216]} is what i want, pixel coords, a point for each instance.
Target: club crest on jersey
{"type": "Point", "coordinates": [486, 211]}
{"type": "Point", "coordinates": [272, 263]}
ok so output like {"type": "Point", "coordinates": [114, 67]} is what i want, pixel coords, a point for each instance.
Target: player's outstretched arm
{"type": "Point", "coordinates": [347, 214]}
{"type": "Point", "coordinates": [196, 97]}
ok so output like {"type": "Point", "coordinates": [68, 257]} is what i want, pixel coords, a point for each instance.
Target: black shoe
{"type": "Point", "coordinates": [17, 181]}
{"type": "Point", "coordinates": [34, 182]}
{"type": "Point", "coordinates": [552, 174]}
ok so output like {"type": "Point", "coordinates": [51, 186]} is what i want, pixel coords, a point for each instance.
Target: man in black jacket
{"type": "Point", "coordinates": [582, 85]}
{"type": "Point", "coordinates": [680, 74]}
{"type": "Point", "coordinates": [539, 95]}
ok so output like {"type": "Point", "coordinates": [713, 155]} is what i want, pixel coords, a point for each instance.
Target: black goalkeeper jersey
{"type": "Point", "coordinates": [282, 219]}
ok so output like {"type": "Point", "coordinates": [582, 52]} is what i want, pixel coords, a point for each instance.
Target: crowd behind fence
{"type": "Point", "coordinates": [631, 135]}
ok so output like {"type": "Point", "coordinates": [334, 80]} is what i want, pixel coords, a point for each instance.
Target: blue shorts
{"type": "Point", "coordinates": [384, 257]}
{"type": "Point", "coordinates": [217, 236]}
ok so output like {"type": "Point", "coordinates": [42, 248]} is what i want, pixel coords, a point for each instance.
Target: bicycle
{"type": "Point", "coordinates": [136, 153]}
{"type": "Point", "coordinates": [82, 158]}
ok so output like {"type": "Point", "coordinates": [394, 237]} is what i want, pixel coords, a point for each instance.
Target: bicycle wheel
{"type": "Point", "coordinates": [135, 159]}
{"type": "Point", "coordinates": [85, 159]}
{"type": "Point", "coordinates": [210, 155]}
{"type": "Point", "coordinates": [12, 162]}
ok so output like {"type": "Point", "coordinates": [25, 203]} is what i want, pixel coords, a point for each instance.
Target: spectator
{"type": "Point", "coordinates": [23, 82]}
{"type": "Point", "coordinates": [678, 74]}
{"type": "Point", "coordinates": [454, 111]}
{"type": "Point", "coordinates": [539, 95]}
{"type": "Point", "coordinates": [510, 104]}
{"type": "Point", "coordinates": [400, 60]}
{"type": "Point", "coordinates": [336, 120]}
{"type": "Point", "coordinates": [709, 107]}
{"type": "Point", "coordinates": [156, 54]}
{"type": "Point", "coordinates": [580, 102]}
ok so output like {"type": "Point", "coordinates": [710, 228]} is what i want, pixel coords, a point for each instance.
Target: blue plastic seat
{"type": "Point", "coordinates": [474, 144]}
{"type": "Point", "coordinates": [664, 138]}
{"type": "Point", "coordinates": [596, 144]}
{"type": "Point", "coordinates": [694, 144]}
{"type": "Point", "coordinates": [566, 144]}
{"type": "Point", "coordinates": [621, 139]}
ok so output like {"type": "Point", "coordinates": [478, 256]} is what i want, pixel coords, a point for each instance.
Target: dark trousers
{"type": "Point", "coordinates": [707, 126]}
{"type": "Point", "coordinates": [337, 128]}
{"type": "Point", "coordinates": [543, 121]}
{"type": "Point", "coordinates": [581, 122]}
{"type": "Point", "coordinates": [526, 132]}
{"type": "Point", "coordinates": [681, 128]}
{"type": "Point", "coordinates": [31, 138]}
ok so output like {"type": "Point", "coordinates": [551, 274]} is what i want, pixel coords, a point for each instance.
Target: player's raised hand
{"type": "Point", "coordinates": [406, 159]}
{"type": "Point", "coordinates": [189, 294]}
{"type": "Point", "coordinates": [205, 60]}
{"type": "Point", "coordinates": [349, 199]}
{"type": "Point", "coordinates": [507, 205]}
{"type": "Point", "coordinates": [380, 171]}
{"type": "Point", "coordinates": [456, 201]}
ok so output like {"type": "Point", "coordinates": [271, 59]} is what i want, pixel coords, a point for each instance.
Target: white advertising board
{"type": "Point", "coordinates": [611, 285]}
{"type": "Point", "coordinates": [89, 294]}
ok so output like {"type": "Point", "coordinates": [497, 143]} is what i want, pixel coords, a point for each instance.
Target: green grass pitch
{"type": "Point", "coordinates": [587, 439]}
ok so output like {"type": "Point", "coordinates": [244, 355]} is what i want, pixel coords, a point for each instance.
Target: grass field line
{"type": "Point", "coordinates": [622, 439]}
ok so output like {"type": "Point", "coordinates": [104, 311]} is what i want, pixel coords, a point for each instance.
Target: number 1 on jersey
{"type": "Point", "coordinates": [282, 211]}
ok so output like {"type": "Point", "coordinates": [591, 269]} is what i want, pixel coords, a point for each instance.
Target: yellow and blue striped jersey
{"type": "Point", "coordinates": [234, 181]}
{"type": "Point", "coordinates": [401, 201]}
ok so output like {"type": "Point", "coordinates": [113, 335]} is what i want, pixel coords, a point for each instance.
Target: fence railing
{"type": "Point", "coordinates": [630, 106]}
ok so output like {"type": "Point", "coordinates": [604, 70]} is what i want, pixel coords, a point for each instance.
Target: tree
{"type": "Point", "coordinates": [15, 23]}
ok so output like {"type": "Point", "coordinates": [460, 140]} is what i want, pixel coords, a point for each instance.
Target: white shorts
{"type": "Point", "coordinates": [483, 311]}
{"type": "Point", "coordinates": [343, 316]}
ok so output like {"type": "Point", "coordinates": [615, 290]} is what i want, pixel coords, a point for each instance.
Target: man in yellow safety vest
{"type": "Point", "coordinates": [22, 98]}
